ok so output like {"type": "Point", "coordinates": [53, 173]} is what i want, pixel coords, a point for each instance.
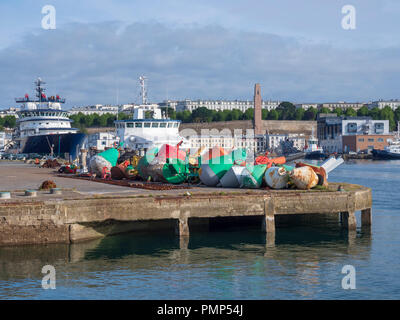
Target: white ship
{"type": "Point", "coordinates": [43, 127]}
{"type": "Point", "coordinates": [149, 128]}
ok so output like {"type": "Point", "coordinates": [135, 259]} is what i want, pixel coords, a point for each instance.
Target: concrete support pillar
{"type": "Point", "coordinates": [183, 242]}
{"type": "Point", "coordinates": [366, 217]}
{"type": "Point", "coordinates": [268, 222]}
{"type": "Point", "coordinates": [348, 220]}
{"type": "Point", "coordinates": [182, 227]}
{"type": "Point", "coordinates": [270, 239]}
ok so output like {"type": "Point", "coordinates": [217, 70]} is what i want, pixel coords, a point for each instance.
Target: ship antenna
{"type": "Point", "coordinates": [142, 80]}
{"type": "Point", "coordinates": [39, 89]}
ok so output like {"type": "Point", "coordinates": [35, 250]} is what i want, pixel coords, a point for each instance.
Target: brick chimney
{"type": "Point", "coordinates": [257, 110]}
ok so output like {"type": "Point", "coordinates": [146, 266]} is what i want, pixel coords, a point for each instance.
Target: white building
{"type": "Point", "coordinates": [252, 143]}
{"type": "Point", "coordinates": [168, 104]}
{"type": "Point", "coordinates": [9, 112]}
{"type": "Point", "coordinates": [332, 130]}
{"type": "Point", "coordinates": [102, 140]}
{"type": "Point", "coordinates": [273, 141]}
{"type": "Point", "coordinates": [306, 106]}
{"type": "Point", "coordinates": [131, 109]}
{"type": "Point", "coordinates": [341, 105]}
{"type": "Point", "coordinates": [221, 105]}
{"type": "Point", "coordinates": [394, 104]}
{"type": "Point", "coordinates": [3, 140]}
{"type": "Point", "coordinates": [95, 109]}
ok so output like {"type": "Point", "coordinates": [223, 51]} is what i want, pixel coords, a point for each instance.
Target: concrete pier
{"type": "Point", "coordinates": [92, 210]}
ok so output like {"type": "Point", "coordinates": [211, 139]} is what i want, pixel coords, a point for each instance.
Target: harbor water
{"type": "Point", "coordinates": [305, 263]}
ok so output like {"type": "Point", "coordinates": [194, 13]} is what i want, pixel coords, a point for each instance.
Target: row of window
{"type": "Point", "coordinates": [43, 114]}
{"type": "Point", "coordinates": [371, 140]}
{"type": "Point", "coordinates": [148, 125]}
{"type": "Point", "coordinates": [352, 127]}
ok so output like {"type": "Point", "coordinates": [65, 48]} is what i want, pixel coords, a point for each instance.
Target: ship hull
{"type": "Point", "coordinates": [315, 155]}
{"type": "Point", "coordinates": [384, 155]}
{"type": "Point", "coordinates": [62, 143]}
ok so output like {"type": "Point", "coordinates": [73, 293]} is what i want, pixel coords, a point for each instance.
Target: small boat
{"type": "Point", "coordinates": [312, 150]}
{"type": "Point", "coordinates": [390, 152]}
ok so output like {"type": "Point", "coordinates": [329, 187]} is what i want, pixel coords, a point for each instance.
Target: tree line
{"type": "Point", "coordinates": [7, 122]}
{"type": "Point", "coordinates": [285, 111]}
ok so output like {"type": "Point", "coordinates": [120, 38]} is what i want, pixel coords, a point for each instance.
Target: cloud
{"type": "Point", "coordinates": [86, 63]}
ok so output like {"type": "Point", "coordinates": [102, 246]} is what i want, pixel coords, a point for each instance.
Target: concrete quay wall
{"type": "Point", "coordinates": [72, 220]}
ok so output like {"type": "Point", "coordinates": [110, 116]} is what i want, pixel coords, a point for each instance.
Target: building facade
{"type": "Point", "coordinates": [273, 141]}
{"type": "Point", "coordinates": [394, 104]}
{"type": "Point", "coordinates": [9, 112]}
{"type": "Point", "coordinates": [221, 105]}
{"type": "Point", "coordinates": [341, 105]}
{"type": "Point", "coordinates": [95, 109]}
{"type": "Point", "coordinates": [306, 106]}
{"type": "Point", "coordinates": [253, 143]}
{"type": "Point", "coordinates": [345, 134]}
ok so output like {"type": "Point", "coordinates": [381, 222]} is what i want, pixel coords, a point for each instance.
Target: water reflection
{"type": "Point", "coordinates": [300, 247]}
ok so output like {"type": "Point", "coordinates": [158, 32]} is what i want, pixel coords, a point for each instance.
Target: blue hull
{"type": "Point", "coordinates": [62, 143]}
{"type": "Point", "coordinates": [315, 155]}
{"type": "Point", "coordinates": [384, 155]}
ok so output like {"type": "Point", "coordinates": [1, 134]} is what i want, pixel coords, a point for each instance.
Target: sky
{"type": "Point", "coordinates": [297, 50]}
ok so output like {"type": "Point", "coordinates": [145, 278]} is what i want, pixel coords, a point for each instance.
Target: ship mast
{"type": "Point", "coordinates": [143, 93]}
{"type": "Point", "coordinates": [41, 97]}
{"type": "Point", "coordinates": [39, 89]}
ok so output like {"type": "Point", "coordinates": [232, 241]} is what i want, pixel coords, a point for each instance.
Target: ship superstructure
{"type": "Point", "coordinates": [148, 127]}
{"type": "Point", "coordinates": [43, 127]}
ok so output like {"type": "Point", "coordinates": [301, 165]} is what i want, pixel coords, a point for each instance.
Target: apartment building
{"type": "Point", "coordinates": [221, 105]}
{"type": "Point", "coordinates": [253, 143]}
{"type": "Point", "coordinates": [394, 104]}
{"type": "Point", "coordinates": [345, 134]}
{"type": "Point", "coordinates": [95, 109]}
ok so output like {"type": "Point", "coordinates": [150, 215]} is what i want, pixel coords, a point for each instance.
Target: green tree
{"type": "Point", "coordinates": [264, 114]}
{"type": "Point", "coordinates": [9, 121]}
{"type": "Point", "coordinates": [324, 110]}
{"type": "Point", "coordinates": [184, 116]}
{"type": "Point", "coordinates": [202, 114]}
{"type": "Point", "coordinates": [387, 113]}
{"type": "Point", "coordinates": [374, 113]}
{"type": "Point", "coordinates": [110, 120]}
{"type": "Point", "coordinates": [310, 114]}
{"type": "Point", "coordinates": [350, 112]}
{"type": "Point", "coordinates": [397, 117]}
{"type": "Point", "coordinates": [170, 112]}
{"type": "Point", "coordinates": [273, 115]}
{"type": "Point", "coordinates": [248, 114]}
{"type": "Point", "coordinates": [338, 111]}
{"type": "Point", "coordinates": [235, 114]}
{"type": "Point", "coordinates": [299, 114]}
{"type": "Point", "coordinates": [363, 111]}
{"type": "Point", "coordinates": [286, 110]}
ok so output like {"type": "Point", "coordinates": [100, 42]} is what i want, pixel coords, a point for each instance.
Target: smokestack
{"type": "Point", "coordinates": [257, 110]}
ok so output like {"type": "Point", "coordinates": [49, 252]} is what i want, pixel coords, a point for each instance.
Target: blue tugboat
{"type": "Point", "coordinates": [312, 150]}
{"type": "Point", "coordinates": [44, 128]}
{"type": "Point", "coordinates": [391, 152]}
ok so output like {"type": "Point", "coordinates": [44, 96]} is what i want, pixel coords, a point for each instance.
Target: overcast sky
{"type": "Point", "coordinates": [297, 50]}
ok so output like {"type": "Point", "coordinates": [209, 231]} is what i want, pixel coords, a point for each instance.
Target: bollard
{"type": "Point", "coordinates": [55, 191]}
{"type": "Point", "coordinates": [5, 195]}
{"type": "Point", "coordinates": [30, 193]}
